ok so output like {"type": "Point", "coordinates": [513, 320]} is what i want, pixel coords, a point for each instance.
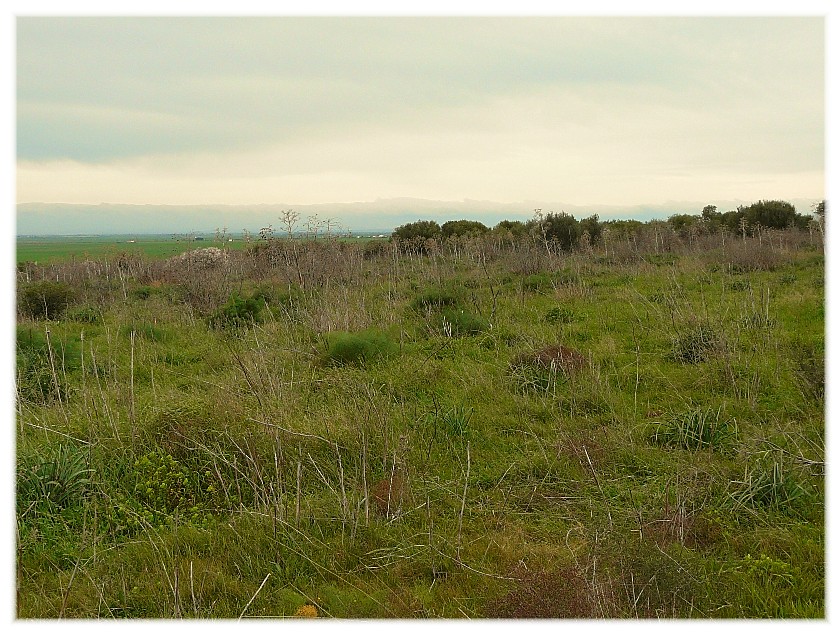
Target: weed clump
{"type": "Point", "coordinates": [537, 283]}
{"type": "Point", "coordinates": [461, 322]}
{"type": "Point", "coordinates": [55, 481]}
{"type": "Point", "coordinates": [695, 345]}
{"type": "Point", "coordinates": [697, 429]}
{"type": "Point", "coordinates": [541, 369]}
{"type": "Point", "coordinates": [358, 347]}
{"type": "Point", "coordinates": [85, 315]}
{"type": "Point", "coordinates": [560, 315]}
{"type": "Point", "coordinates": [46, 299]}
{"type": "Point", "coordinates": [558, 358]}
{"type": "Point", "coordinates": [435, 298]}
{"type": "Point", "coordinates": [768, 484]}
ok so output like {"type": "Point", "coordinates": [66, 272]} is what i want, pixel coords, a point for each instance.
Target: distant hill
{"type": "Point", "coordinates": [381, 215]}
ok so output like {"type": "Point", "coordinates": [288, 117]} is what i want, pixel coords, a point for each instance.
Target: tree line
{"type": "Point", "coordinates": [568, 232]}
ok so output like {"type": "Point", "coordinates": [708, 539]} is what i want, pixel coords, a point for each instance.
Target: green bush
{"type": "Point", "coordinates": [45, 300]}
{"type": "Point", "coordinates": [143, 292]}
{"type": "Point", "coordinates": [238, 311]}
{"type": "Point", "coordinates": [358, 347]}
{"type": "Point", "coordinates": [162, 489]}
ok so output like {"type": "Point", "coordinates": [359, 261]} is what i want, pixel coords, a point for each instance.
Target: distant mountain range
{"type": "Point", "coordinates": [381, 215]}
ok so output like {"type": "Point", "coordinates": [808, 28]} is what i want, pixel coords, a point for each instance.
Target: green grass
{"type": "Point", "coordinates": [349, 451]}
{"type": "Point", "coordinates": [58, 249]}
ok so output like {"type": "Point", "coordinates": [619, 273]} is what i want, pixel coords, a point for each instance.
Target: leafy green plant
{"type": "Point", "coordinates": [46, 299]}
{"type": "Point", "coordinates": [163, 488]}
{"type": "Point", "coordinates": [697, 429]}
{"type": "Point", "coordinates": [358, 347]}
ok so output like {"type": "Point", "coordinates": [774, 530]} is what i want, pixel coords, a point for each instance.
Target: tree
{"type": "Point", "coordinates": [561, 228]}
{"type": "Point", "coordinates": [423, 229]}
{"type": "Point", "coordinates": [462, 227]}
{"type": "Point", "coordinates": [712, 218]}
{"type": "Point", "coordinates": [593, 227]}
{"type": "Point", "coordinates": [773, 214]}
{"type": "Point", "coordinates": [820, 210]}
{"type": "Point", "coordinates": [681, 223]}
{"type": "Point", "coordinates": [517, 228]}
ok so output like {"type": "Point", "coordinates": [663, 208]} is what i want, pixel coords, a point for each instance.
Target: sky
{"type": "Point", "coordinates": [308, 110]}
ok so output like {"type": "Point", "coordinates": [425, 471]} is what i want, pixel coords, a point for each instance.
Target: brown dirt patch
{"type": "Point", "coordinates": [556, 357]}
{"type": "Point", "coordinates": [388, 494]}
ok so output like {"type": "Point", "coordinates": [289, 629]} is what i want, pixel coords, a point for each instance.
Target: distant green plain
{"type": "Point", "coordinates": [60, 248]}
{"type": "Point", "coordinates": [53, 249]}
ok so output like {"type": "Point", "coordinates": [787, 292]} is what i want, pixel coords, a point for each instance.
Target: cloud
{"type": "Point", "coordinates": [358, 108]}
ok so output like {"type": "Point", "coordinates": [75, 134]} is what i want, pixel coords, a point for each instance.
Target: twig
{"type": "Point", "coordinates": [463, 501]}
{"type": "Point", "coordinates": [247, 605]}
{"type": "Point", "coordinates": [598, 483]}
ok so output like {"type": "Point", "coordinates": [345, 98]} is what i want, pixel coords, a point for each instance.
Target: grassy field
{"type": "Point", "coordinates": [60, 248]}
{"type": "Point", "coordinates": [487, 428]}
{"type": "Point", "coordinates": [57, 249]}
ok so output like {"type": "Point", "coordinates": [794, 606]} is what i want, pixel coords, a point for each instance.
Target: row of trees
{"type": "Point", "coordinates": [568, 232]}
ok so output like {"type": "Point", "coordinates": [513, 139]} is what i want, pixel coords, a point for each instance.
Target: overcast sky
{"type": "Point", "coordinates": [609, 111]}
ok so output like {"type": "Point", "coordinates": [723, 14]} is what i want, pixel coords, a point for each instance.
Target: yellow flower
{"type": "Point", "coordinates": [307, 611]}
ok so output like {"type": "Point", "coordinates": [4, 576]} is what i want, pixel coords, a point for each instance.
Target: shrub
{"type": "Point", "coordinates": [143, 292]}
{"type": "Point", "coordinates": [358, 347]}
{"type": "Point", "coordinates": [238, 311]}
{"type": "Point", "coordinates": [46, 299]}
{"type": "Point", "coordinates": [162, 488]}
